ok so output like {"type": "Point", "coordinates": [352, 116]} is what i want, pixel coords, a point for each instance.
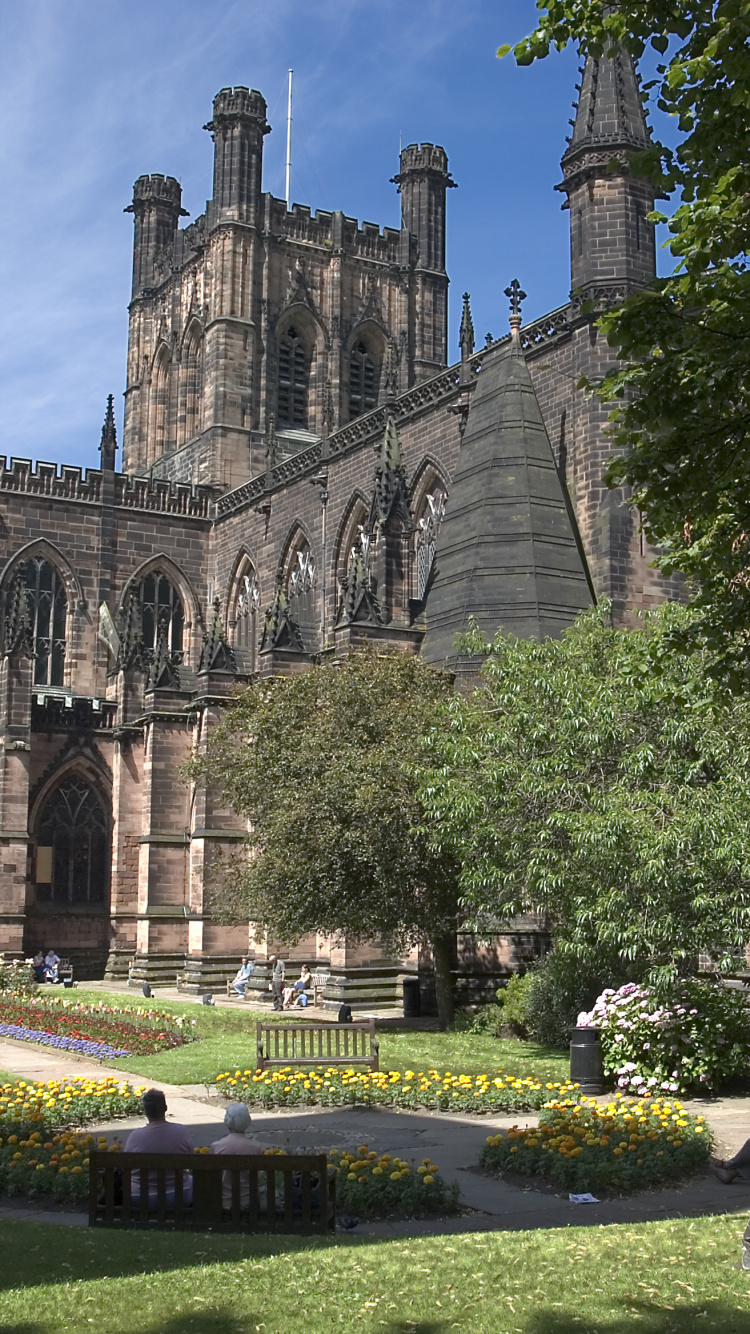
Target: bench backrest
{"type": "Point", "coordinates": [269, 1192]}
{"type": "Point", "coordinates": [317, 1044]}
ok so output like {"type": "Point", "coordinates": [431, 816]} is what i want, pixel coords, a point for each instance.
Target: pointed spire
{"type": "Point", "coordinates": [18, 631]}
{"type": "Point", "coordinates": [132, 654]}
{"type": "Point", "coordinates": [466, 332]}
{"type": "Point", "coordinates": [609, 112]}
{"type": "Point", "coordinates": [217, 655]}
{"type": "Point", "coordinates": [163, 672]}
{"type": "Point", "coordinates": [390, 370]}
{"type": "Point", "coordinates": [357, 603]}
{"type": "Point", "coordinates": [281, 630]}
{"type": "Point", "coordinates": [108, 446]}
{"type": "Point", "coordinates": [390, 497]}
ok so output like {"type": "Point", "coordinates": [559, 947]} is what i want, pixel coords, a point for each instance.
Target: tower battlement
{"type": "Point", "coordinates": [423, 157]}
{"type": "Point", "coordinates": [157, 189]}
{"type": "Point", "coordinates": [236, 102]}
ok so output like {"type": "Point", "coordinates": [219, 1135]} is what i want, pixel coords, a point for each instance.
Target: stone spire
{"type": "Point", "coordinates": [612, 242]}
{"type": "Point", "coordinates": [108, 446]}
{"type": "Point", "coordinates": [131, 654]}
{"type": "Point", "coordinates": [217, 655]}
{"type": "Point", "coordinates": [18, 632]}
{"type": "Point", "coordinates": [390, 498]}
{"type": "Point", "coordinates": [357, 602]}
{"type": "Point", "coordinates": [609, 111]}
{"type": "Point", "coordinates": [507, 554]}
{"type": "Point", "coordinates": [281, 631]}
{"type": "Point", "coordinates": [163, 671]}
{"type": "Point", "coordinates": [466, 332]}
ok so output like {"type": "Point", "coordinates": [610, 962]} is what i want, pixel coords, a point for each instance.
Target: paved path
{"type": "Point", "coordinates": [454, 1142]}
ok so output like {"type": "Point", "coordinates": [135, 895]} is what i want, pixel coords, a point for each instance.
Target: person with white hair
{"type": "Point", "coordinates": [237, 1140]}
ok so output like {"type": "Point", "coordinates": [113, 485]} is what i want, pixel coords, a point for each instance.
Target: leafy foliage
{"type": "Point", "coordinates": [17, 978]}
{"type": "Point", "coordinates": [681, 424]}
{"type": "Point", "coordinates": [318, 763]}
{"type": "Point", "coordinates": [560, 986]}
{"type": "Point", "coordinates": [697, 1037]}
{"type": "Point", "coordinates": [602, 781]}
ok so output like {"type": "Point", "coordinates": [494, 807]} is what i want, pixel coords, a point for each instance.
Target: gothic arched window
{"type": "Point", "coordinates": [428, 524]}
{"type": "Point", "coordinates": [159, 406]}
{"type": "Point", "coordinates": [193, 375]}
{"type": "Point", "coordinates": [300, 586]}
{"type": "Point", "coordinates": [47, 609]}
{"type": "Point", "coordinates": [363, 381]}
{"type": "Point", "coordinates": [161, 605]}
{"type": "Point", "coordinates": [72, 855]}
{"type": "Point", "coordinates": [294, 374]}
{"type": "Point", "coordinates": [246, 612]}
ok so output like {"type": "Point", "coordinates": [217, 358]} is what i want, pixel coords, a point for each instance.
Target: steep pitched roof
{"type": "Point", "coordinates": [507, 551]}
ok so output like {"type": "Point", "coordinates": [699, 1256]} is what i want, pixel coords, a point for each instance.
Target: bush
{"type": "Point", "coordinates": [17, 977]}
{"type": "Point", "coordinates": [506, 1017]}
{"type": "Point", "coordinates": [560, 986]}
{"type": "Point", "coordinates": [696, 1036]}
{"type": "Point", "coordinates": [587, 1145]}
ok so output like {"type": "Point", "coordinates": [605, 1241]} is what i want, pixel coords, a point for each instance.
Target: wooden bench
{"type": "Point", "coordinates": [319, 983]}
{"type": "Point", "coordinates": [65, 970]}
{"type": "Point", "coordinates": [317, 1044]}
{"type": "Point", "coordinates": [302, 1190]}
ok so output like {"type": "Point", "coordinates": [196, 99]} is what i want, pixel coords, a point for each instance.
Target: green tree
{"type": "Point", "coordinates": [681, 422]}
{"type": "Point", "coordinates": [321, 765]}
{"type": "Point", "coordinates": [600, 779]}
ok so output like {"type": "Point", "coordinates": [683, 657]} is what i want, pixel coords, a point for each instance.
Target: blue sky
{"type": "Point", "coordinates": [96, 92]}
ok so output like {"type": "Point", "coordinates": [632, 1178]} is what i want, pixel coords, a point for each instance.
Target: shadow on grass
{"type": "Point", "coordinates": [188, 1321]}
{"type": "Point", "coordinates": [646, 1318]}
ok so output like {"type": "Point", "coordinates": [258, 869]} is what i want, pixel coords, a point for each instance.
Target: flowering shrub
{"type": "Point", "coordinates": [587, 1145]}
{"type": "Point", "coordinates": [375, 1185]}
{"type": "Point", "coordinates": [100, 1030]}
{"type": "Point", "coordinates": [16, 977]}
{"type": "Point", "coordinates": [41, 1164]}
{"type": "Point", "coordinates": [336, 1087]}
{"type": "Point", "coordinates": [64, 1102]}
{"type": "Point", "coordinates": [698, 1038]}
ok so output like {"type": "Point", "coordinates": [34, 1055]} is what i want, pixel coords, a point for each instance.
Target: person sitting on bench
{"type": "Point", "coordinates": [159, 1136]}
{"type": "Point", "coordinates": [301, 988]}
{"type": "Point", "coordinates": [37, 963]}
{"type": "Point", "coordinates": [242, 978]}
{"type": "Point", "coordinates": [51, 966]}
{"type": "Point", "coordinates": [236, 1140]}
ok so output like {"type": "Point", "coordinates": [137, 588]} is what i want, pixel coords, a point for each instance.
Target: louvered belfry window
{"type": "Point", "coordinates": [363, 381]}
{"type": "Point", "coordinates": [161, 605]}
{"type": "Point", "coordinates": [48, 608]}
{"type": "Point", "coordinates": [294, 375]}
{"type": "Point", "coordinates": [73, 846]}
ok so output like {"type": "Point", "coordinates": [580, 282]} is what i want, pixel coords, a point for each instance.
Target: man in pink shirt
{"type": "Point", "coordinates": [159, 1137]}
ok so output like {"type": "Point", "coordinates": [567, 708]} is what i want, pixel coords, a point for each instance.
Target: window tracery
{"type": "Point", "coordinates": [428, 525]}
{"type": "Point", "coordinates": [294, 375]}
{"type": "Point", "coordinates": [247, 612]}
{"type": "Point", "coordinates": [47, 608]}
{"type": "Point", "coordinates": [161, 606]}
{"type": "Point", "coordinates": [73, 846]}
{"type": "Point", "coordinates": [363, 381]}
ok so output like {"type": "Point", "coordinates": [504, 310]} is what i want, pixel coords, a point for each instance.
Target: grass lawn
{"type": "Point", "coordinates": [654, 1278]}
{"type": "Point", "coordinates": [228, 1042]}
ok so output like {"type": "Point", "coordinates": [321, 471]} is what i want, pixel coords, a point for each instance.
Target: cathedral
{"type": "Point", "coordinates": [303, 470]}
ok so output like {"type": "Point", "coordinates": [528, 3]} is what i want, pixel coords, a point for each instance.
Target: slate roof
{"type": "Point", "coordinates": [507, 551]}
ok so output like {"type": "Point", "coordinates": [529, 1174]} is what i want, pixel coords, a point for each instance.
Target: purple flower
{"type": "Point", "coordinates": [101, 1050]}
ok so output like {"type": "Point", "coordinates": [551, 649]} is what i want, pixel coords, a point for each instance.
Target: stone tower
{"type": "Point", "coordinates": [257, 329]}
{"type": "Point", "coordinates": [612, 253]}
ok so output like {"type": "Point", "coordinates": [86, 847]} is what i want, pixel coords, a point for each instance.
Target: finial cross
{"type": "Point", "coordinates": [517, 295]}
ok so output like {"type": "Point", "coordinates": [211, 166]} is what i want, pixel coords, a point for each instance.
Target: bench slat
{"type": "Point", "coordinates": [314, 1044]}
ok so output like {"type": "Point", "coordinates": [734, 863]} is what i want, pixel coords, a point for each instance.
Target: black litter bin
{"type": "Point", "coordinates": [586, 1060]}
{"type": "Point", "coordinates": [412, 1007]}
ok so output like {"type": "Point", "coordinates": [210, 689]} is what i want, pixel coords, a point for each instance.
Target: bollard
{"type": "Point", "coordinates": [586, 1060]}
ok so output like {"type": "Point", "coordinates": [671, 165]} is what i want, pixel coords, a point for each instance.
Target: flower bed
{"type": "Point", "coordinates": [103, 1031]}
{"type": "Point", "coordinates": [373, 1185]}
{"type": "Point", "coordinates": [587, 1145]}
{"type": "Point", "coordinates": [697, 1037]}
{"type": "Point", "coordinates": [27, 1107]}
{"type": "Point", "coordinates": [336, 1088]}
{"type": "Point", "coordinates": [369, 1185]}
